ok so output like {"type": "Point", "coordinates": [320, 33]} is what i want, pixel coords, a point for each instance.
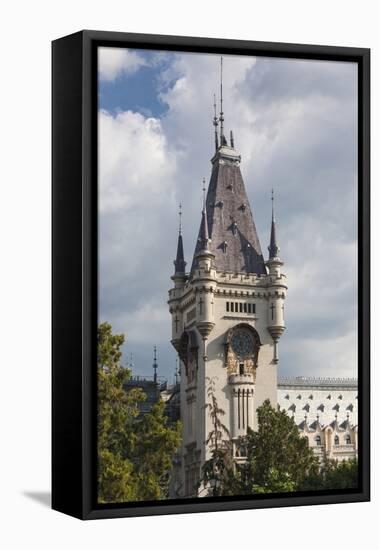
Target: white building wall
{"type": "Point", "coordinates": [324, 409]}
{"type": "Point", "coordinates": [322, 397]}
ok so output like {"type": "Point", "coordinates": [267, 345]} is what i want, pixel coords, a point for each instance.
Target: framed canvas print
{"type": "Point", "coordinates": [210, 274]}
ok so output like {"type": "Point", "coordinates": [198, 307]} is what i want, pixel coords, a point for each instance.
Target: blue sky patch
{"type": "Point", "coordinates": [138, 91]}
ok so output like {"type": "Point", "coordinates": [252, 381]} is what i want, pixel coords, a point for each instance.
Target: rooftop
{"type": "Point", "coordinates": [312, 382]}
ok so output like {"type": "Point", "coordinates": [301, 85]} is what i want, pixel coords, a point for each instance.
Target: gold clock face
{"type": "Point", "coordinates": [242, 343]}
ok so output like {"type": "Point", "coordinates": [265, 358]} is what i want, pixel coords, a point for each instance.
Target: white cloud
{"type": "Point", "coordinates": [115, 61]}
{"type": "Point", "coordinates": [137, 175]}
{"type": "Point", "coordinates": [136, 166]}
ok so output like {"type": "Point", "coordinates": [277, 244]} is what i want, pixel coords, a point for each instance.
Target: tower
{"type": "Point", "coordinates": [227, 317]}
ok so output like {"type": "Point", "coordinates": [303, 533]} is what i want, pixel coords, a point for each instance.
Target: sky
{"type": "Point", "coordinates": [295, 124]}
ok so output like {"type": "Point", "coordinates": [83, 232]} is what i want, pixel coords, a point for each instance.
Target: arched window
{"type": "Point", "coordinates": [348, 439]}
{"type": "Point", "coordinates": [336, 440]}
{"type": "Point", "coordinates": [318, 440]}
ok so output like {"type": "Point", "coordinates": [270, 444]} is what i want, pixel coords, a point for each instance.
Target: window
{"type": "Point", "coordinates": [348, 439]}
{"type": "Point", "coordinates": [318, 440]}
{"type": "Point", "coordinates": [243, 450]}
{"type": "Point", "coordinates": [242, 369]}
{"type": "Point", "coordinates": [336, 440]}
{"type": "Point", "coordinates": [240, 307]}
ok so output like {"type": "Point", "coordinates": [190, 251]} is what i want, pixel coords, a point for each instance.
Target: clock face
{"type": "Point", "coordinates": [242, 343]}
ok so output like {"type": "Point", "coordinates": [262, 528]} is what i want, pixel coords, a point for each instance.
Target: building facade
{"type": "Point", "coordinates": [326, 412]}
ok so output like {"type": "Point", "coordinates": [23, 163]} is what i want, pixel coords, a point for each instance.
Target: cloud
{"type": "Point", "coordinates": [115, 61]}
{"type": "Point", "coordinates": [137, 175]}
{"type": "Point", "coordinates": [295, 124]}
{"type": "Point", "coordinates": [133, 153]}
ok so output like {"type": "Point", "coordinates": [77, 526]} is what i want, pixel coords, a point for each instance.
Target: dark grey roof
{"type": "Point", "coordinates": [234, 239]}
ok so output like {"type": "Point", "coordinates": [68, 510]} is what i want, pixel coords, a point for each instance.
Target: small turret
{"type": "Point", "coordinates": [274, 262]}
{"type": "Point", "coordinates": [203, 279]}
{"type": "Point", "coordinates": [277, 288]}
{"type": "Point", "coordinates": [204, 256]}
{"type": "Point", "coordinates": [179, 276]}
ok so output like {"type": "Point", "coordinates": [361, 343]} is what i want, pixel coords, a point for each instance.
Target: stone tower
{"type": "Point", "coordinates": [227, 318]}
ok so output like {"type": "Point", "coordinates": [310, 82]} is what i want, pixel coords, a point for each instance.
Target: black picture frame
{"type": "Point", "coordinates": [74, 271]}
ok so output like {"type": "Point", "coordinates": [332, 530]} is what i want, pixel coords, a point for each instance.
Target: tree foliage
{"type": "Point", "coordinates": [278, 458]}
{"type": "Point", "coordinates": [332, 475]}
{"type": "Point", "coordinates": [218, 469]}
{"type": "Point", "coordinates": [134, 451]}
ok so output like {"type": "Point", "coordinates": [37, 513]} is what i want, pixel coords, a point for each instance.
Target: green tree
{"type": "Point", "coordinates": [155, 444]}
{"type": "Point", "coordinates": [134, 451]}
{"type": "Point", "coordinates": [333, 475]}
{"type": "Point", "coordinates": [277, 457]}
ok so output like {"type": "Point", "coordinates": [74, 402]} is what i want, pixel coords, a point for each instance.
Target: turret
{"type": "Point", "coordinates": [277, 287]}
{"type": "Point", "coordinates": [203, 279]}
{"type": "Point", "coordinates": [274, 262]}
{"type": "Point", "coordinates": [204, 256]}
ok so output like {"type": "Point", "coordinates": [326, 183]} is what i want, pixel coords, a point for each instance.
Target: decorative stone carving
{"type": "Point", "coordinates": [242, 365]}
{"type": "Point", "coordinates": [187, 348]}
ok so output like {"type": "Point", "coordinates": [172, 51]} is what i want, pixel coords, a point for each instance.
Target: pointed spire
{"type": "Point", "coordinates": [179, 263]}
{"type": "Point", "coordinates": [273, 248]}
{"type": "Point", "coordinates": [155, 365]}
{"type": "Point", "coordinates": [215, 122]}
{"type": "Point", "coordinates": [221, 117]}
{"type": "Point", "coordinates": [204, 233]}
